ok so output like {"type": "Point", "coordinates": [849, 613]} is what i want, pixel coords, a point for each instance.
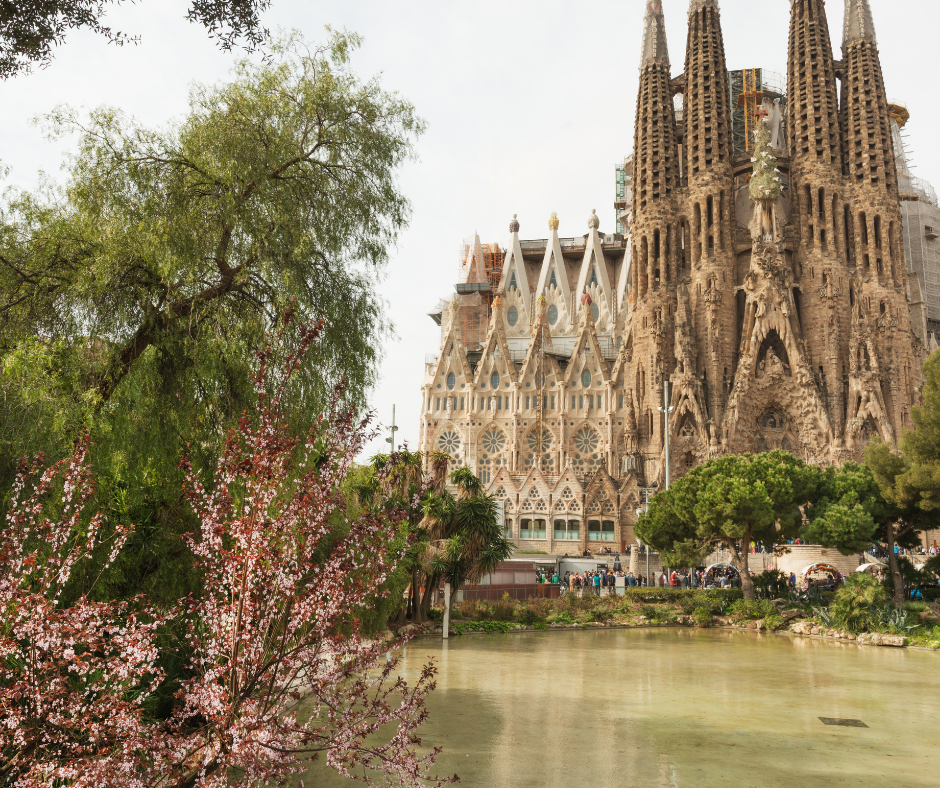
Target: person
{"type": "Point", "coordinates": [597, 584]}
{"type": "Point", "coordinates": [555, 578]}
{"type": "Point", "coordinates": [662, 580]}
{"type": "Point", "coordinates": [792, 580]}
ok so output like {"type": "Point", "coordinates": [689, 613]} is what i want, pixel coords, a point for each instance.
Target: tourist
{"type": "Point", "coordinates": [597, 584]}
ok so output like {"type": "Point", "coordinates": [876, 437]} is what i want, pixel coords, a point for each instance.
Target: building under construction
{"type": "Point", "coordinates": [771, 280]}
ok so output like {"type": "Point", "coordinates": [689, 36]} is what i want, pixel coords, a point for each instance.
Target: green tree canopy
{"type": "Point", "coordinates": [134, 296]}
{"type": "Point", "coordinates": [29, 29]}
{"type": "Point", "coordinates": [729, 501]}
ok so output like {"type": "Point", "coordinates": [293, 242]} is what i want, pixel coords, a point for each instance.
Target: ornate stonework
{"type": "Point", "coordinates": [768, 290]}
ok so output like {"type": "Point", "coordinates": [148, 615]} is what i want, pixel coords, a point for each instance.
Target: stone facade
{"type": "Point", "coordinates": [766, 295]}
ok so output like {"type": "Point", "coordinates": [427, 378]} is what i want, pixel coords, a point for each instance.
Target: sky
{"type": "Point", "coordinates": [529, 106]}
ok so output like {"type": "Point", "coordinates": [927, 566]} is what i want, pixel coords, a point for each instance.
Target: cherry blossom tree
{"type": "Point", "coordinates": [279, 672]}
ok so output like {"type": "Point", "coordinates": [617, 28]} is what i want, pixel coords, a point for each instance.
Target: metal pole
{"type": "Point", "coordinates": [666, 411]}
{"type": "Point", "coordinates": [393, 430]}
{"type": "Point", "coordinates": [446, 610]}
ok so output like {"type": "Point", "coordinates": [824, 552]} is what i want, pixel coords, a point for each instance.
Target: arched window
{"type": "Point", "coordinates": [512, 316]}
{"type": "Point", "coordinates": [451, 380]}
{"type": "Point", "coordinates": [552, 315]}
{"type": "Point", "coordinates": [494, 380]}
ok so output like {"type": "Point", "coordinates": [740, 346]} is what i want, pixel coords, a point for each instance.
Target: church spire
{"type": "Point", "coordinates": [859, 25]}
{"type": "Point", "coordinates": [654, 49]}
{"type": "Point", "coordinates": [869, 149]}
{"type": "Point", "coordinates": [706, 104]}
{"type": "Point", "coordinates": [813, 108]}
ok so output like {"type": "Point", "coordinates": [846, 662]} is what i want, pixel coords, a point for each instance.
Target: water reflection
{"type": "Point", "coordinates": [676, 708]}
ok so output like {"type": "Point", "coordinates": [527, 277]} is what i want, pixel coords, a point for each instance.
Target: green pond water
{"type": "Point", "coordinates": [677, 708]}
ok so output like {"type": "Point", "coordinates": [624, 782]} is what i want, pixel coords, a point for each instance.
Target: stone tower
{"type": "Point", "coordinates": [654, 231]}
{"type": "Point", "coordinates": [884, 372]}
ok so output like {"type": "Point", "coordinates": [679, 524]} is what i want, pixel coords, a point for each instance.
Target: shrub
{"type": "Point", "coordinates": [851, 607]}
{"type": "Point", "coordinates": [599, 614]}
{"type": "Point", "coordinates": [759, 608]}
{"type": "Point", "coordinates": [540, 606]}
{"type": "Point", "coordinates": [774, 621]}
{"type": "Point", "coordinates": [649, 611]}
{"type": "Point", "coordinates": [435, 614]}
{"type": "Point", "coordinates": [501, 610]}
{"type": "Point", "coordinates": [564, 617]}
{"type": "Point", "coordinates": [471, 609]}
{"type": "Point", "coordinates": [482, 626]}
{"type": "Point", "coordinates": [526, 615]}
{"type": "Point", "coordinates": [702, 616]}
{"type": "Point", "coordinates": [915, 607]}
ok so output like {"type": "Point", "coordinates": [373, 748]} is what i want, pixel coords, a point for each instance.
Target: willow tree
{"type": "Point", "coordinates": [133, 295]}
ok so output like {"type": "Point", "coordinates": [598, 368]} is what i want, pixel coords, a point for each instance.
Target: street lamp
{"type": "Point", "coordinates": [666, 409]}
{"type": "Point", "coordinates": [639, 512]}
{"type": "Point", "coordinates": [393, 429]}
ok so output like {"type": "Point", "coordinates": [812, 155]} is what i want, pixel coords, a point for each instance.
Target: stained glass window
{"type": "Point", "coordinates": [512, 316]}
{"type": "Point", "coordinates": [494, 380]}
{"type": "Point", "coordinates": [552, 315]}
{"type": "Point", "coordinates": [451, 380]}
{"type": "Point", "coordinates": [595, 312]}
{"type": "Point", "coordinates": [586, 378]}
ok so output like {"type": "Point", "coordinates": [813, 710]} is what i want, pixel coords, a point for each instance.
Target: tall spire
{"type": "Point", "coordinates": [656, 166]}
{"type": "Point", "coordinates": [859, 25]}
{"type": "Point", "coordinates": [869, 150]}
{"type": "Point", "coordinates": [654, 49]}
{"type": "Point", "coordinates": [706, 104]}
{"type": "Point", "coordinates": [812, 105]}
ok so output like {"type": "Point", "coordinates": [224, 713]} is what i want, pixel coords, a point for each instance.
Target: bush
{"type": "Point", "coordinates": [599, 614]}
{"type": "Point", "coordinates": [482, 626]}
{"type": "Point", "coordinates": [702, 616]}
{"type": "Point", "coordinates": [676, 596]}
{"type": "Point", "coordinates": [501, 610]}
{"type": "Point", "coordinates": [540, 606]}
{"type": "Point", "coordinates": [852, 605]}
{"type": "Point", "coordinates": [471, 609]}
{"type": "Point", "coordinates": [774, 621]}
{"type": "Point", "coordinates": [759, 608]}
{"type": "Point", "coordinates": [564, 617]}
{"type": "Point", "coordinates": [916, 607]}
{"type": "Point", "coordinates": [528, 616]}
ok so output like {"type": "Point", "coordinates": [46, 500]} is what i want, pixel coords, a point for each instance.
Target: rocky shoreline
{"type": "Point", "coordinates": [808, 629]}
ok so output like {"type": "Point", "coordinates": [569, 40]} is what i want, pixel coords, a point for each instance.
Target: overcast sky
{"type": "Point", "coordinates": [529, 105]}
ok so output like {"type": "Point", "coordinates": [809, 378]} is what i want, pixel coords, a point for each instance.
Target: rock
{"type": "Point", "coordinates": [897, 641]}
{"type": "Point", "coordinates": [814, 630]}
{"type": "Point", "coordinates": [789, 615]}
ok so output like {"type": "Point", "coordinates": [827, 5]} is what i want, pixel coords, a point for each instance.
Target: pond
{"type": "Point", "coordinates": [678, 708]}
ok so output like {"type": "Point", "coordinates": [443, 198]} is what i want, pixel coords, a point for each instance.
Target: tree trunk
{"type": "Point", "coordinates": [895, 570]}
{"type": "Point", "coordinates": [740, 559]}
{"type": "Point", "coordinates": [416, 602]}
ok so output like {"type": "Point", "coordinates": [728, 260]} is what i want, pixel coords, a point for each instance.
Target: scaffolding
{"type": "Point", "coordinates": [750, 88]}
{"type": "Point", "coordinates": [480, 271]}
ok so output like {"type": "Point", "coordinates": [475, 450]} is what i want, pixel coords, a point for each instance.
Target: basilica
{"type": "Point", "coordinates": [757, 297]}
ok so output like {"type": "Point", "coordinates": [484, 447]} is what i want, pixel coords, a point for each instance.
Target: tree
{"type": "Point", "coordinates": [29, 29]}
{"type": "Point", "coordinates": [895, 497]}
{"type": "Point", "coordinates": [132, 300]}
{"type": "Point", "coordinates": [474, 542]}
{"type": "Point", "coordinates": [732, 501]}
{"type": "Point", "coordinates": [273, 632]}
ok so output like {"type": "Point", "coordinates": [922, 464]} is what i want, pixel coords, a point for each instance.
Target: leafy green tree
{"type": "Point", "coordinates": [731, 501]}
{"type": "Point", "coordinates": [134, 297]}
{"type": "Point", "coordinates": [895, 497]}
{"type": "Point", "coordinates": [475, 542]}
{"type": "Point", "coordinates": [851, 608]}
{"type": "Point", "coordinates": [29, 29]}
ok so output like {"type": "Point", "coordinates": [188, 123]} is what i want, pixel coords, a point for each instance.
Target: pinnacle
{"type": "Point", "coordinates": [859, 25]}
{"type": "Point", "coordinates": [695, 5]}
{"type": "Point", "coordinates": [654, 35]}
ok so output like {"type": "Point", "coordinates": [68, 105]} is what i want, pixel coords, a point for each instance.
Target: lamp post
{"type": "Point", "coordinates": [646, 549]}
{"type": "Point", "coordinates": [393, 429]}
{"type": "Point", "coordinates": [666, 409]}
